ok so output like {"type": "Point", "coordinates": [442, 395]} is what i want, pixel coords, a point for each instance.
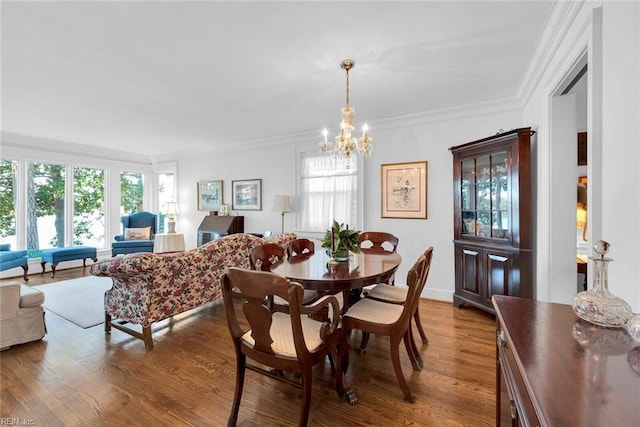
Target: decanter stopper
{"type": "Point", "coordinates": [601, 248]}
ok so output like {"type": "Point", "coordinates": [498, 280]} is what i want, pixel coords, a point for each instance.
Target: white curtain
{"type": "Point", "coordinates": [328, 191]}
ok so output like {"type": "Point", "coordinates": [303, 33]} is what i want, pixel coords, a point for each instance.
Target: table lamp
{"type": "Point", "coordinates": [171, 210]}
{"type": "Point", "coordinates": [281, 204]}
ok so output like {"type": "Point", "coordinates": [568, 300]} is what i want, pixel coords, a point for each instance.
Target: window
{"type": "Point", "coordinates": [45, 206]}
{"type": "Point", "coordinates": [8, 202]}
{"type": "Point", "coordinates": [328, 190]}
{"type": "Point", "coordinates": [57, 204]}
{"type": "Point", "coordinates": [131, 192]}
{"type": "Point", "coordinates": [166, 193]}
{"type": "Point", "coordinates": [88, 207]}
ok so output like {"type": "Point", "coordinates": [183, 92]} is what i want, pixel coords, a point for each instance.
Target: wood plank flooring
{"type": "Point", "coordinates": [83, 377]}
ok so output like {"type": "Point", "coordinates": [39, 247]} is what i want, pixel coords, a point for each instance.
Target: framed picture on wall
{"type": "Point", "coordinates": [246, 195]}
{"type": "Point", "coordinates": [209, 195]}
{"type": "Point", "coordinates": [404, 190]}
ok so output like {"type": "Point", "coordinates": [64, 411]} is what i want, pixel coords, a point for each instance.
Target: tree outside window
{"type": "Point", "coordinates": [8, 202]}
{"type": "Point", "coordinates": [88, 207]}
{"type": "Point", "coordinates": [131, 192]}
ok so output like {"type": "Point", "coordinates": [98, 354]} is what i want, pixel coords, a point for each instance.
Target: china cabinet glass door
{"type": "Point", "coordinates": [485, 197]}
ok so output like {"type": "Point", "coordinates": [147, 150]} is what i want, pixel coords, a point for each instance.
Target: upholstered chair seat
{"type": "Point", "coordinates": [388, 293]}
{"type": "Point", "coordinates": [283, 343]}
{"type": "Point", "coordinates": [369, 310]}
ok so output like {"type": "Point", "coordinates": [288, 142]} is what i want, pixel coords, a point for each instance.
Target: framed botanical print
{"type": "Point", "coordinates": [246, 195]}
{"type": "Point", "coordinates": [209, 195]}
{"type": "Point", "coordinates": [404, 190]}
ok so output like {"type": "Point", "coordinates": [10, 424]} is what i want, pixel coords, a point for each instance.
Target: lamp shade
{"type": "Point", "coordinates": [171, 209]}
{"type": "Point", "coordinates": [281, 204]}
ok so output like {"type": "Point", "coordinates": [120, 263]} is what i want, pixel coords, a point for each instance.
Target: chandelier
{"type": "Point", "coordinates": [345, 144]}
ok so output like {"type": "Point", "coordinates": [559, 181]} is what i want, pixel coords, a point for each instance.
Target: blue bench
{"type": "Point", "coordinates": [11, 259]}
{"type": "Point", "coordinates": [57, 255]}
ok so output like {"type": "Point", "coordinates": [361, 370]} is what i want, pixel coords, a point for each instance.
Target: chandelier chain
{"type": "Point", "coordinates": [347, 71]}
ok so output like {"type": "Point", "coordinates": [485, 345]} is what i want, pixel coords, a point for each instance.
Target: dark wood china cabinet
{"type": "Point", "coordinates": [492, 218]}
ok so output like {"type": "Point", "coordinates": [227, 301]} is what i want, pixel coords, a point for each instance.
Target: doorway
{"type": "Point", "coordinates": [569, 105]}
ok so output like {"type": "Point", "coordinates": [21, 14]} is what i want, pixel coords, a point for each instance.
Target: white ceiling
{"type": "Point", "coordinates": [156, 77]}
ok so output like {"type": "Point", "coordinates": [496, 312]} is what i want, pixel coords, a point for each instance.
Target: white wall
{"type": "Point", "coordinates": [274, 165]}
{"type": "Point", "coordinates": [425, 138]}
{"type": "Point", "coordinates": [609, 34]}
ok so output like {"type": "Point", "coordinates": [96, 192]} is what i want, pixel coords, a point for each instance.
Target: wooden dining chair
{"type": "Point", "coordinates": [398, 295]}
{"type": "Point", "coordinates": [301, 247]}
{"type": "Point", "coordinates": [392, 320]}
{"type": "Point", "coordinates": [268, 256]}
{"type": "Point", "coordinates": [265, 257]}
{"type": "Point", "coordinates": [286, 340]}
{"type": "Point", "coordinates": [378, 242]}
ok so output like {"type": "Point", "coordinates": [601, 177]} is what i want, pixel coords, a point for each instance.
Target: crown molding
{"type": "Point", "coordinates": [28, 142]}
{"type": "Point", "coordinates": [480, 108]}
{"type": "Point", "coordinates": [557, 24]}
{"type": "Point", "coordinates": [472, 109]}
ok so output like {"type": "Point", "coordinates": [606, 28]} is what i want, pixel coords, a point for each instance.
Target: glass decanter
{"type": "Point", "coordinates": [597, 305]}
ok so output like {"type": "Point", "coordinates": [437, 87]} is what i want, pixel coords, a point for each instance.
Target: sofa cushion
{"type": "Point", "coordinates": [137, 233]}
{"type": "Point", "coordinates": [30, 297]}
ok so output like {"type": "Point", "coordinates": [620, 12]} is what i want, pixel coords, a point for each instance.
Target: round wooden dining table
{"type": "Point", "coordinates": [314, 272]}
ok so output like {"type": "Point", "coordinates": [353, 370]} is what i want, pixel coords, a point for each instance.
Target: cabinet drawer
{"type": "Point", "coordinates": [520, 406]}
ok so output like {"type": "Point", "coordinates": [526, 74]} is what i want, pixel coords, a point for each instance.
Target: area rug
{"type": "Point", "coordinates": [80, 301]}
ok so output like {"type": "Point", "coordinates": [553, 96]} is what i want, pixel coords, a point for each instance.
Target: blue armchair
{"type": "Point", "coordinates": [132, 225]}
{"type": "Point", "coordinates": [11, 259]}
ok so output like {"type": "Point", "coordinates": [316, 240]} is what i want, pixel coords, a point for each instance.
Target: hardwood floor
{"type": "Point", "coordinates": [82, 377]}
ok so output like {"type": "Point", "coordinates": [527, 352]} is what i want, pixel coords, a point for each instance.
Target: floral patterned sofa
{"type": "Point", "coordinates": [150, 287]}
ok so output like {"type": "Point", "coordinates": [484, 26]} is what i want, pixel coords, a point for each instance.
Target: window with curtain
{"type": "Point", "coordinates": [328, 191]}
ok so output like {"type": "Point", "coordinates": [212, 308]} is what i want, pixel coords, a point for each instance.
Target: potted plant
{"type": "Point", "coordinates": [341, 240]}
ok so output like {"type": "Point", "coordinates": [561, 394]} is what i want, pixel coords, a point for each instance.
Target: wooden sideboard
{"type": "Point", "coordinates": [554, 369]}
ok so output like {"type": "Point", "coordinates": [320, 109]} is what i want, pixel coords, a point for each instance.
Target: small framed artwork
{"type": "Point", "coordinates": [246, 195]}
{"type": "Point", "coordinates": [404, 190]}
{"type": "Point", "coordinates": [209, 195]}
